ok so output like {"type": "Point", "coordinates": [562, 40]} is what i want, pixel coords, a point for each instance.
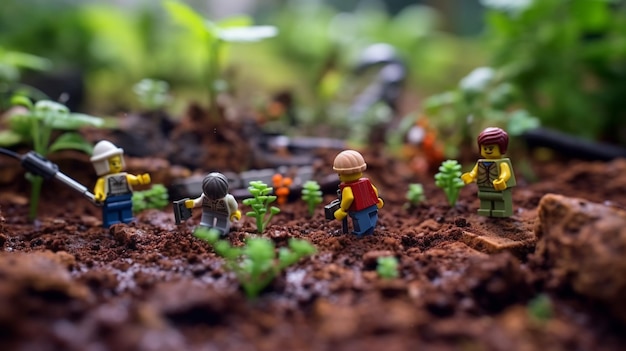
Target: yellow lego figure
{"type": "Point", "coordinates": [359, 198]}
{"type": "Point", "coordinates": [493, 174]}
{"type": "Point", "coordinates": [114, 187]}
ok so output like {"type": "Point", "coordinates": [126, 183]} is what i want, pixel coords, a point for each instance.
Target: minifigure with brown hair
{"type": "Point", "coordinates": [359, 198]}
{"type": "Point", "coordinates": [493, 174]}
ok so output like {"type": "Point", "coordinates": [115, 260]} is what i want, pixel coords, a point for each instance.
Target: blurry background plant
{"type": "Point", "coordinates": [482, 99]}
{"type": "Point", "coordinates": [560, 60]}
{"type": "Point", "coordinates": [11, 65]}
{"type": "Point", "coordinates": [153, 94]}
{"type": "Point", "coordinates": [34, 124]}
{"type": "Point", "coordinates": [154, 198]}
{"type": "Point", "coordinates": [567, 61]}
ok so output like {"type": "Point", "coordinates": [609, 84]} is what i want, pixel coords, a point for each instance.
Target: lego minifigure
{"type": "Point", "coordinates": [219, 208]}
{"type": "Point", "coordinates": [359, 198]}
{"type": "Point", "coordinates": [114, 187]}
{"type": "Point", "coordinates": [493, 174]}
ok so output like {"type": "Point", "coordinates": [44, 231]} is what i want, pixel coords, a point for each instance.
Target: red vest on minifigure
{"type": "Point", "coordinates": [364, 194]}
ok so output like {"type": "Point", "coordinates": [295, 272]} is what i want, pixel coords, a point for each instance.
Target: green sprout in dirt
{"type": "Point", "coordinates": [153, 94]}
{"type": "Point", "coordinates": [35, 125]}
{"type": "Point", "coordinates": [215, 35]}
{"type": "Point", "coordinates": [256, 263]}
{"type": "Point", "coordinates": [312, 195]}
{"type": "Point", "coordinates": [260, 203]}
{"type": "Point", "coordinates": [415, 194]}
{"type": "Point", "coordinates": [387, 267]}
{"type": "Point", "coordinates": [449, 179]}
{"type": "Point", "coordinates": [540, 308]}
{"type": "Point", "coordinates": [156, 197]}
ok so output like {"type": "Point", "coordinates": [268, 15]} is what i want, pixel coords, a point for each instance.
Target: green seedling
{"type": "Point", "coordinates": [260, 203]}
{"type": "Point", "coordinates": [215, 34]}
{"type": "Point", "coordinates": [312, 195]}
{"type": "Point", "coordinates": [540, 308]}
{"type": "Point", "coordinates": [156, 197]}
{"type": "Point", "coordinates": [415, 194]}
{"type": "Point", "coordinates": [35, 125]}
{"type": "Point", "coordinates": [256, 264]}
{"type": "Point", "coordinates": [153, 94]}
{"type": "Point", "coordinates": [449, 179]}
{"type": "Point", "coordinates": [387, 267]}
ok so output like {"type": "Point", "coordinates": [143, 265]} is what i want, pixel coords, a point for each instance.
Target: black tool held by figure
{"type": "Point", "coordinates": [329, 212]}
{"type": "Point", "coordinates": [181, 213]}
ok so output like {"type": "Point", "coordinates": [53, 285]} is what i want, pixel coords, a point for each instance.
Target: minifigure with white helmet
{"type": "Point", "coordinates": [219, 208]}
{"type": "Point", "coordinates": [359, 198]}
{"type": "Point", "coordinates": [114, 187]}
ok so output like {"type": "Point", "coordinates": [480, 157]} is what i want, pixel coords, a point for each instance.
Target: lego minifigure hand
{"type": "Point", "coordinates": [380, 203]}
{"type": "Point", "coordinates": [235, 215]}
{"type": "Point", "coordinates": [99, 196]}
{"type": "Point", "coordinates": [467, 178]}
{"type": "Point", "coordinates": [189, 203]}
{"type": "Point", "coordinates": [499, 184]}
{"type": "Point", "coordinates": [144, 178]}
{"type": "Point", "coordinates": [340, 214]}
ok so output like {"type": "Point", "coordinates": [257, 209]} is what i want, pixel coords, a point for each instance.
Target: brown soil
{"type": "Point", "coordinates": [465, 281]}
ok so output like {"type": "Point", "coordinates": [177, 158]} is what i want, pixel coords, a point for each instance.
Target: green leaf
{"type": "Point", "coordinates": [10, 138]}
{"type": "Point", "coordinates": [189, 18]}
{"type": "Point", "coordinates": [274, 210]}
{"type": "Point", "coordinates": [71, 141]}
{"type": "Point", "coordinates": [302, 247]}
{"type": "Point", "coordinates": [75, 121]}
{"type": "Point", "coordinates": [21, 100]}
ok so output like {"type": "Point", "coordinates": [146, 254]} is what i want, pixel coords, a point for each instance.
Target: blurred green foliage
{"type": "Point", "coordinates": [115, 45]}
{"type": "Point", "coordinates": [35, 124]}
{"type": "Point", "coordinates": [154, 198]}
{"type": "Point", "coordinates": [567, 61]}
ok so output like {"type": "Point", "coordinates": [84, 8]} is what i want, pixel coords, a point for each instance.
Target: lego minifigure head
{"type": "Point", "coordinates": [493, 142]}
{"type": "Point", "coordinates": [349, 165]}
{"type": "Point", "coordinates": [215, 185]}
{"type": "Point", "coordinates": [107, 158]}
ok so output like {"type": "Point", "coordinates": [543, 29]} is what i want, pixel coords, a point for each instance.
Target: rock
{"type": "Point", "coordinates": [584, 245]}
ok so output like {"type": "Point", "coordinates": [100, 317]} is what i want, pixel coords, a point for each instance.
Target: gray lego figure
{"type": "Point", "coordinates": [219, 208]}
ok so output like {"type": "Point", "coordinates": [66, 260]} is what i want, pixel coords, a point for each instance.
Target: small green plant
{"type": "Point", "coordinates": [156, 197]}
{"type": "Point", "coordinates": [260, 203]}
{"type": "Point", "coordinates": [256, 264]}
{"type": "Point", "coordinates": [387, 267]}
{"type": "Point", "coordinates": [540, 308]}
{"type": "Point", "coordinates": [312, 195]}
{"type": "Point", "coordinates": [36, 124]}
{"type": "Point", "coordinates": [215, 35]}
{"type": "Point", "coordinates": [415, 194]}
{"type": "Point", "coordinates": [153, 94]}
{"type": "Point", "coordinates": [449, 179]}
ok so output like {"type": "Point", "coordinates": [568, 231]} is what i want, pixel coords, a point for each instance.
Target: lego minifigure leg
{"type": "Point", "coordinates": [504, 208]}
{"type": "Point", "coordinates": [364, 221]}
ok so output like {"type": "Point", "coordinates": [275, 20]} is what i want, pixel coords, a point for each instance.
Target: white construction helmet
{"type": "Point", "coordinates": [101, 153]}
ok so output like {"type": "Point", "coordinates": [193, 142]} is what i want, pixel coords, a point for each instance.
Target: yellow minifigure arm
{"type": "Point", "coordinates": [98, 190]}
{"type": "Point", "coordinates": [197, 202]}
{"type": "Point", "coordinates": [505, 173]}
{"type": "Point", "coordinates": [347, 197]}
{"type": "Point", "coordinates": [231, 203]}
{"type": "Point", "coordinates": [380, 203]}
{"type": "Point", "coordinates": [470, 176]}
{"type": "Point", "coordinates": [138, 179]}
